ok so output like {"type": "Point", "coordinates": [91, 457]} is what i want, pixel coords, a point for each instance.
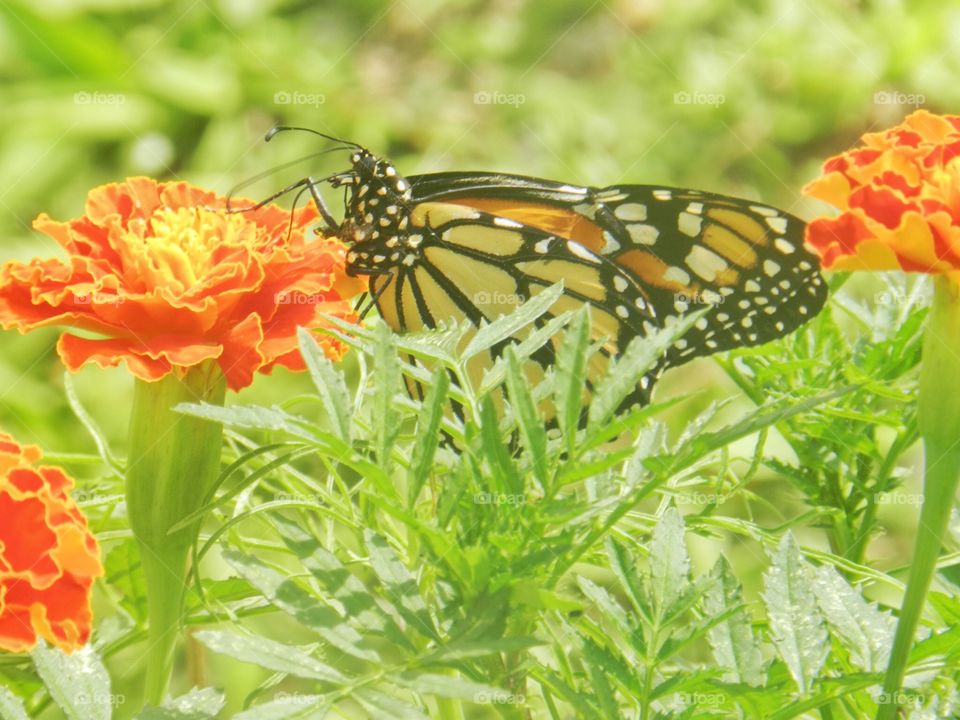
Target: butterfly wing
{"type": "Point", "coordinates": [684, 248]}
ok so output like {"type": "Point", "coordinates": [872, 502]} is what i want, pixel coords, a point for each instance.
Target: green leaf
{"type": "Point", "coordinates": [605, 603]}
{"type": "Point", "coordinates": [428, 434]}
{"type": "Point", "coordinates": [796, 624]}
{"type": "Point", "coordinates": [197, 704]}
{"type": "Point", "coordinates": [251, 417]}
{"type": "Point", "coordinates": [531, 426]}
{"type": "Point", "coordinates": [365, 612]}
{"type": "Point", "coordinates": [11, 707]}
{"type": "Point", "coordinates": [103, 448]}
{"type": "Point", "coordinates": [623, 375]}
{"type": "Point", "coordinates": [601, 665]}
{"type": "Point", "coordinates": [571, 367]}
{"type": "Point", "coordinates": [269, 654]}
{"type": "Point", "coordinates": [399, 584]}
{"type": "Point", "coordinates": [866, 631]}
{"type": "Point", "coordinates": [505, 478]}
{"type": "Point", "coordinates": [495, 375]}
{"type": "Point", "coordinates": [451, 686]}
{"type": "Point", "coordinates": [465, 649]}
{"type": "Point", "coordinates": [734, 645]}
{"type": "Point", "coordinates": [297, 602]}
{"type": "Point", "coordinates": [382, 706]}
{"type": "Point", "coordinates": [509, 325]}
{"type": "Point", "coordinates": [78, 683]}
{"type": "Point", "coordinates": [288, 706]}
{"type": "Point", "coordinates": [669, 563]}
{"type": "Point", "coordinates": [386, 418]}
{"type": "Point", "coordinates": [330, 385]}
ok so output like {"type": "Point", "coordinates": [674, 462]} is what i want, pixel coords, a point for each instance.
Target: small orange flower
{"type": "Point", "coordinates": [900, 200]}
{"type": "Point", "coordinates": [159, 277]}
{"type": "Point", "coordinates": [48, 556]}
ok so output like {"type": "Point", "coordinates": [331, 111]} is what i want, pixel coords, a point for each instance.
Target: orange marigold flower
{"type": "Point", "coordinates": [48, 556]}
{"type": "Point", "coordinates": [159, 277]}
{"type": "Point", "coordinates": [900, 200]}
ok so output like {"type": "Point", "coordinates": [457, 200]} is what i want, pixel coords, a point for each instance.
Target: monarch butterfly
{"type": "Point", "coordinates": [473, 245]}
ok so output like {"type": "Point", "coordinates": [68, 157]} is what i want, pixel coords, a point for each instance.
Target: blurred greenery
{"type": "Point", "coordinates": [745, 98]}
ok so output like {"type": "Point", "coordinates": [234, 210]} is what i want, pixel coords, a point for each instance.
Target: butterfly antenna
{"type": "Point", "coordinates": [284, 128]}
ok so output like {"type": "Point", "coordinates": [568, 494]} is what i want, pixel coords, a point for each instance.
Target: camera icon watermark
{"type": "Point", "coordinates": [702, 498]}
{"type": "Point", "coordinates": [293, 297]}
{"type": "Point", "coordinates": [898, 498]}
{"type": "Point", "coordinates": [495, 97]}
{"type": "Point", "coordinates": [686, 97]}
{"type": "Point", "coordinates": [113, 699]}
{"type": "Point", "coordinates": [486, 498]}
{"type": "Point", "coordinates": [302, 498]}
{"type": "Point", "coordinates": [893, 97]}
{"type": "Point", "coordinates": [99, 98]}
{"type": "Point", "coordinates": [499, 697]}
{"type": "Point", "coordinates": [701, 699]}
{"type": "Point", "coordinates": [296, 97]}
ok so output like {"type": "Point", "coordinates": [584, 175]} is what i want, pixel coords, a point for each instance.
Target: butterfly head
{"type": "Point", "coordinates": [378, 213]}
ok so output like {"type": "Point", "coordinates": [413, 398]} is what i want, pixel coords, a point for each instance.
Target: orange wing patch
{"type": "Point", "coordinates": [655, 272]}
{"type": "Point", "coordinates": [555, 220]}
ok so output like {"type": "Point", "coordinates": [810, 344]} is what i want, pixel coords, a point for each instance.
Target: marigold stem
{"type": "Point", "coordinates": [174, 460]}
{"type": "Point", "coordinates": [939, 423]}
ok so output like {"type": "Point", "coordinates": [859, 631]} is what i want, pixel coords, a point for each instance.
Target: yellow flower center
{"type": "Point", "coordinates": [182, 242]}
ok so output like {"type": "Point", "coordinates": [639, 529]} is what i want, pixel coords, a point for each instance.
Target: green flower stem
{"type": "Point", "coordinates": [174, 459]}
{"type": "Point", "coordinates": [939, 423]}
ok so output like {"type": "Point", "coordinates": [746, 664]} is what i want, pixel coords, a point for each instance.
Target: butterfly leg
{"type": "Point", "coordinates": [368, 301]}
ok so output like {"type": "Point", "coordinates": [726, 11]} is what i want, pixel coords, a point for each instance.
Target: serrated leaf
{"type": "Point", "coordinates": [509, 325]}
{"type": "Point", "coordinates": [669, 562]}
{"type": "Point", "coordinates": [734, 645]}
{"type": "Point", "coordinates": [250, 417]}
{"type": "Point", "coordinates": [451, 686]}
{"type": "Point", "coordinates": [304, 607]}
{"type": "Point", "coordinates": [428, 435]}
{"type": "Point", "coordinates": [796, 624]}
{"type": "Point", "coordinates": [364, 612]}
{"type": "Point", "coordinates": [78, 683]}
{"type": "Point", "coordinates": [386, 418]}
{"type": "Point", "coordinates": [532, 431]}
{"type": "Point", "coordinates": [641, 355]}
{"type": "Point", "coordinates": [605, 603]}
{"type": "Point", "coordinates": [330, 385]}
{"type": "Point", "coordinates": [571, 367]}
{"type": "Point", "coordinates": [198, 704]}
{"type": "Point", "coordinates": [399, 583]}
{"type": "Point", "coordinates": [382, 706]}
{"type": "Point", "coordinates": [495, 375]}
{"type": "Point", "coordinates": [11, 707]}
{"type": "Point", "coordinates": [289, 706]}
{"type": "Point", "coordinates": [269, 654]}
{"type": "Point", "coordinates": [865, 630]}
{"type": "Point", "coordinates": [464, 649]}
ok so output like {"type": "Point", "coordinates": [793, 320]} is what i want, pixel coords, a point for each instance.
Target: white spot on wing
{"type": "Point", "coordinates": [770, 268]}
{"type": "Point", "coordinates": [689, 224]}
{"type": "Point", "coordinates": [631, 212]}
{"type": "Point", "coordinates": [677, 274]}
{"type": "Point", "coordinates": [777, 224]}
{"type": "Point", "coordinates": [581, 252]}
{"type": "Point", "coordinates": [506, 222]}
{"type": "Point", "coordinates": [784, 247]}
{"type": "Point", "coordinates": [643, 234]}
{"type": "Point", "coordinates": [705, 263]}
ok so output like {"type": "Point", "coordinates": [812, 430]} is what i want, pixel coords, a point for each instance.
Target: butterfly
{"type": "Point", "coordinates": [454, 246]}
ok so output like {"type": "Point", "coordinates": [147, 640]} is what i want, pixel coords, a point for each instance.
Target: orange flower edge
{"type": "Point", "coordinates": [899, 197]}
{"type": "Point", "coordinates": [48, 556]}
{"type": "Point", "coordinates": [160, 278]}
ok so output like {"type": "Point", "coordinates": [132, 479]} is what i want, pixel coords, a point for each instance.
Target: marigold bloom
{"type": "Point", "coordinates": [48, 556]}
{"type": "Point", "coordinates": [900, 200]}
{"type": "Point", "coordinates": [158, 277]}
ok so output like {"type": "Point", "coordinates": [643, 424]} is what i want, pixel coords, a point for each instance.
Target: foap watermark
{"type": "Point", "coordinates": [96, 698]}
{"type": "Point", "coordinates": [296, 97]}
{"type": "Point", "coordinates": [702, 498]}
{"type": "Point", "coordinates": [707, 297]}
{"type": "Point", "coordinates": [898, 498]}
{"type": "Point", "coordinates": [98, 298]}
{"type": "Point", "coordinates": [487, 498]}
{"type": "Point", "coordinates": [893, 97]}
{"type": "Point", "coordinates": [99, 98]}
{"type": "Point", "coordinates": [495, 97]}
{"type": "Point", "coordinates": [889, 297]}
{"type": "Point", "coordinates": [685, 97]}
{"type": "Point", "coordinates": [901, 698]}
{"type": "Point", "coordinates": [495, 297]}
{"type": "Point", "coordinates": [701, 699]}
{"type": "Point", "coordinates": [293, 698]}
{"type": "Point", "coordinates": [499, 697]}
{"type": "Point", "coordinates": [295, 297]}
{"type": "Point", "coordinates": [302, 498]}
